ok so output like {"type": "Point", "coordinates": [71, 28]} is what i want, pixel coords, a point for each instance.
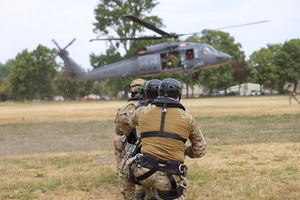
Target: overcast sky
{"type": "Point", "coordinates": [24, 24]}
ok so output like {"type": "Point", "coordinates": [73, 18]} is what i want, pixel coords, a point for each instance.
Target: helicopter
{"type": "Point", "coordinates": [161, 59]}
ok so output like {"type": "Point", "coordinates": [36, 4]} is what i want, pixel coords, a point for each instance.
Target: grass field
{"type": "Point", "coordinates": [64, 150]}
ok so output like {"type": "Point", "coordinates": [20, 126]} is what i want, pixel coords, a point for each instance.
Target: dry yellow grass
{"type": "Point", "coordinates": [253, 171]}
{"type": "Point", "coordinates": [256, 171]}
{"type": "Point", "coordinates": [104, 110]}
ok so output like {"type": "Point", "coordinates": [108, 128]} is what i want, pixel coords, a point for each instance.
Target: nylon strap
{"type": "Point", "coordinates": [162, 122]}
{"type": "Point", "coordinates": [147, 174]}
{"type": "Point", "coordinates": [165, 134]}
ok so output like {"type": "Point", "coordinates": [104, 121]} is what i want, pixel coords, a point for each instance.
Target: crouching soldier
{"type": "Point", "coordinates": [150, 93]}
{"type": "Point", "coordinates": [290, 88]}
{"type": "Point", "coordinates": [164, 128]}
{"type": "Point", "coordinates": [123, 113]}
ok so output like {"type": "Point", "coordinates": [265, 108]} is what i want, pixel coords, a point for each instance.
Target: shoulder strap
{"type": "Point", "coordinates": [161, 132]}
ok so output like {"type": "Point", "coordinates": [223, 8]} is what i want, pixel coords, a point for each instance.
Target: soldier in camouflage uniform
{"type": "Point", "coordinates": [150, 93]}
{"type": "Point", "coordinates": [122, 116]}
{"type": "Point", "coordinates": [164, 127]}
{"type": "Point", "coordinates": [290, 88]}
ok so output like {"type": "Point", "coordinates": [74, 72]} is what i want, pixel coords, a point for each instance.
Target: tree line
{"type": "Point", "coordinates": [30, 76]}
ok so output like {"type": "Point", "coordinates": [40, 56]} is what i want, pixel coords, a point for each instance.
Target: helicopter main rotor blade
{"type": "Point", "coordinates": [140, 38]}
{"type": "Point", "coordinates": [147, 25]}
{"type": "Point", "coordinates": [228, 27]}
{"type": "Point", "coordinates": [242, 25]}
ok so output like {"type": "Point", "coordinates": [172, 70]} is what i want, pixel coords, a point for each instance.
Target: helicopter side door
{"type": "Point", "coordinates": [149, 64]}
{"type": "Point", "coordinates": [190, 57]}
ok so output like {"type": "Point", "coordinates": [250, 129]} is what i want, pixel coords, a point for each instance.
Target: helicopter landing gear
{"type": "Point", "coordinates": [186, 73]}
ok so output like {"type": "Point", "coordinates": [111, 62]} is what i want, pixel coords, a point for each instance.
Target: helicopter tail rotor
{"type": "Point", "coordinates": [63, 51]}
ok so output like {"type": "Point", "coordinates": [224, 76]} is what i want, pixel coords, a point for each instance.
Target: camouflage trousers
{"type": "Point", "coordinates": [139, 190]}
{"type": "Point", "coordinates": [157, 181]}
{"type": "Point", "coordinates": [118, 150]}
{"type": "Point", "coordinates": [293, 95]}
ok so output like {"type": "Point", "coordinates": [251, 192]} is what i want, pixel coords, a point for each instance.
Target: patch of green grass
{"type": "Point", "coordinates": [236, 163]}
{"type": "Point", "coordinates": [2, 137]}
{"type": "Point", "coordinates": [231, 130]}
{"type": "Point", "coordinates": [24, 195]}
{"type": "Point", "coordinates": [66, 160]}
{"type": "Point", "coordinates": [220, 171]}
{"type": "Point", "coordinates": [263, 172]}
{"type": "Point", "coordinates": [280, 158]}
{"type": "Point", "coordinates": [239, 151]}
{"type": "Point", "coordinates": [38, 175]}
{"type": "Point", "coordinates": [260, 163]}
{"type": "Point", "coordinates": [292, 169]}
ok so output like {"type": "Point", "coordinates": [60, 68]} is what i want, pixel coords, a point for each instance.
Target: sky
{"type": "Point", "coordinates": [24, 24]}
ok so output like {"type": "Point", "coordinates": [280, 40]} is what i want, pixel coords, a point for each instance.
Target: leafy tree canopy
{"type": "Point", "coordinates": [288, 60]}
{"type": "Point", "coordinates": [5, 69]}
{"type": "Point", "coordinates": [110, 24]}
{"type": "Point", "coordinates": [31, 74]}
{"type": "Point", "coordinates": [262, 65]}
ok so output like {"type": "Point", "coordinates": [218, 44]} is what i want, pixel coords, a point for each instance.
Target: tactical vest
{"type": "Point", "coordinates": [163, 130]}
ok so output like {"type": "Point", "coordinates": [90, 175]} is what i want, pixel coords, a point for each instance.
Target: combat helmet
{"type": "Point", "coordinates": [135, 86]}
{"type": "Point", "coordinates": [170, 88]}
{"type": "Point", "coordinates": [151, 89]}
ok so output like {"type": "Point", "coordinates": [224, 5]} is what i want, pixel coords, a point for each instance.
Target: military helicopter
{"type": "Point", "coordinates": [165, 58]}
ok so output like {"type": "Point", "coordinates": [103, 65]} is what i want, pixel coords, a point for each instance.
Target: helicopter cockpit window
{"type": "Point", "coordinates": [213, 49]}
{"type": "Point", "coordinates": [206, 50]}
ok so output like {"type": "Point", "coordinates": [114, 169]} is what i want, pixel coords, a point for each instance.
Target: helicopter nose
{"type": "Point", "coordinates": [223, 57]}
{"type": "Point", "coordinates": [226, 57]}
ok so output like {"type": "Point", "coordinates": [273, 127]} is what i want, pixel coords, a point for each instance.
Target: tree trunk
{"type": "Point", "coordinates": [192, 93]}
{"type": "Point", "coordinates": [210, 92]}
{"type": "Point", "coordinates": [260, 84]}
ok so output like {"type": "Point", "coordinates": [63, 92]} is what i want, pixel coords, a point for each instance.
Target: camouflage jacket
{"type": "Point", "coordinates": [290, 89]}
{"type": "Point", "coordinates": [123, 114]}
{"type": "Point", "coordinates": [198, 144]}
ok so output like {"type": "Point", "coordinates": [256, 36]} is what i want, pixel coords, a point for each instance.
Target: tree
{"type": "Point", "coordinates": [222, 76]}
{"type": "Point", "coordinates": [66, 88]}
{"type": "Point", "coordinates": [109, 23]}
{"type": "Point", "coordinates": [31, 75]}
{"type": "Point", "coordinates": [288, 59]}
{"type": "Point", "coordinates": [4, 90]}
{"type": "Point", "coordinates": [5, 69]}
{"type": "Point", "coordinates": [241, 72]}
{"type": "Point", "coordinates": [263, 69]}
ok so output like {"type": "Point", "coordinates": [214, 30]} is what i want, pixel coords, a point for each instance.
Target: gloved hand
{"type": "Point", "coordinates": [131, 138]}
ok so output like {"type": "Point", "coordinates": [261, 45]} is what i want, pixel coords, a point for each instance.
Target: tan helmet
{"type": "Point", "coordinates": [136, 84]}
{"type": "Point", "coordinates": [289, 84]}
